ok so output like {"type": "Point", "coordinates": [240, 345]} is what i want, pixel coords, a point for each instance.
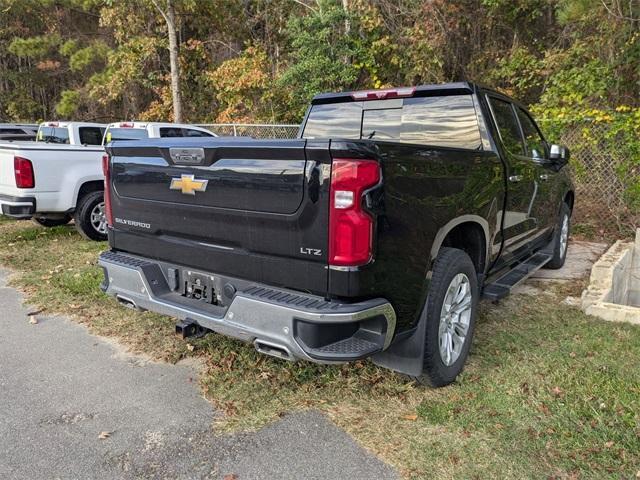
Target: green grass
{"type": "Point", "coordinates": [548, 392]}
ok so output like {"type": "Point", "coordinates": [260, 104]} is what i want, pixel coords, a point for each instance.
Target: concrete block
{"type": "Point", "coordinates": [614, 288]}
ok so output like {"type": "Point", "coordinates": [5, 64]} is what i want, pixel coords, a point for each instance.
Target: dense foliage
{"type": "Point", "coordinates": [572, 61]}
{"type": "Point", "coordinates": [261, 60]}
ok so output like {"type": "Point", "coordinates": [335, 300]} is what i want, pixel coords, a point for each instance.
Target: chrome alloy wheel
{"type": "Point", "coordinates": [564, 235]}
{"type": "Point", "coordinates": [99, 218]}
{"type": "Point", "coordinates": [455, 317]}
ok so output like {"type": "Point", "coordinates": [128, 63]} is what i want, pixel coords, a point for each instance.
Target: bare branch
{"type": "Point", "coordinates": [300, 2]}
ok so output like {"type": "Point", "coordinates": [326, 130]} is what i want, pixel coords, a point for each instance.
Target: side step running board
{"type": "Point", "coordinates": [501, 287]}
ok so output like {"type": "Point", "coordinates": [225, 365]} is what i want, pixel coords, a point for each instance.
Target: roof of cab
{"type": "Point", "coordinates": [134, 124]}
{"type": "Point", "coordinates": [71, 124]}
{"type": "Point", "coordinates": [417, 91]}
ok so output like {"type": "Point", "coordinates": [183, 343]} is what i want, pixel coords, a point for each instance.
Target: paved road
{"type": "Point", "coordinates": [60, 387]}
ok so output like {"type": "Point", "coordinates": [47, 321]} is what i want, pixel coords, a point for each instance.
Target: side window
{"type": "Point", "coordinates": [170, 132]}
{"type": "Point", "coordinates": [536, 146]}
{"type": "Point", "coordinates": [508, 126]}
{"type": "Point", "coordinates": [90, 135]}
{"type": "Point", "coordinates": [189, 132]}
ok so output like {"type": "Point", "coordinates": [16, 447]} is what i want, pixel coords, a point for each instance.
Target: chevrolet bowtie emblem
{"type": "Point", "coordinates": [188, 184]}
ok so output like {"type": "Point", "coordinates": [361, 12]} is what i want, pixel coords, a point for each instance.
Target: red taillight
{"type": "Point", "coordinates": [107, 190]}
{"type": "Point", "coordinates": [384, 94]}
{"type": "Point", "coordinates": [126, 125]}
{"type": "Point", "coordinates": [350, 226]}
{"type": "Point", "coordinates": [23, 170]}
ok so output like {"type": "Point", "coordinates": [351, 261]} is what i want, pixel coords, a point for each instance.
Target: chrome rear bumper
{"type": "Point", "coordinates": [278, 322]}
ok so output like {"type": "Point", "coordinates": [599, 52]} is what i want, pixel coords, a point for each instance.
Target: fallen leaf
{"type": "Point", "coordinates": [557, 391]}
{"type": "Point", "coordinates": [608, 444]}
{"type": "Point", "coordinates": [190, 347]}
{"type": "Point", "coordinates": [104, 435]}
{"type": "Point", "coordinates": [573, 354]}
{"type": "Point", "coordinates": [230, 476]}
{"type": "Point", "coordinates": [413, 417]}
{"type": "Point", "coordinates": [33, 321]}
{"type": "Point", "coordinates": [544, 409]}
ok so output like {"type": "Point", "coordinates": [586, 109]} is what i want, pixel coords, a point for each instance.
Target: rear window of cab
{"type": "Point", "coordinates": [114, 134]}
{"type": "Point", "coordinates": [441, 121]}
{"type": "Point", "coordinates": [53, 135]}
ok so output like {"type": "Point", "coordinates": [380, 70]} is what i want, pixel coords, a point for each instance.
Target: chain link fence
{"type": "Point", "coordinates": [599, 167]}
{"type": "Point", "coordinates": [254, 130]}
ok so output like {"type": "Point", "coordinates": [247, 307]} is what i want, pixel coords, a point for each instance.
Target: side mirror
{"type": "Point", "coordinates": [558, 154]}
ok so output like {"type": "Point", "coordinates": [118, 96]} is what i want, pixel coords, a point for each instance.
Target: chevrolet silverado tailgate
{"type": "Point", "coordinates": [253, 209]}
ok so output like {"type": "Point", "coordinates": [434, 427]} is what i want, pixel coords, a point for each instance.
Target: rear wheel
{"type": "Point", "coordinates": [90, 217]}
{"type": "Point", "coordinates": [561, 239]}
{"type": "Point", "coordinates": [450, 311]}
{"type": "Point", "coordinates": [52, 221]}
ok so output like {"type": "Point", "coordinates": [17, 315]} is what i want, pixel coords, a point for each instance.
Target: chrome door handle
{"type": "Point", "coordinates": [544, 177]}
{"type": "Point", "coordinates": [515, 178]}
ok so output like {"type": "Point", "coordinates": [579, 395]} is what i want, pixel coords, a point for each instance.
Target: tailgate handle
{"type": "Point", "coordinates": [187, 156]}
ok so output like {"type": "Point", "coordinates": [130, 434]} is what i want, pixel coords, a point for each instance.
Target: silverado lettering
{"type": "Point", "coordinates": [133, 223]}
{"type": "Point", "coordinates": [425, 199]}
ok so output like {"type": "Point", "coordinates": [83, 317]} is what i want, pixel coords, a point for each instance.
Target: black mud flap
{"type": "Point", "coordinates": [406, 352]}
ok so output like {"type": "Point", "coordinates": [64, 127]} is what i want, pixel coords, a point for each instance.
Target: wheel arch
{"type": "Point", "coordinates": [88, 186]}
{"type": "Point", "coordinates": [569, 198]}
{"type": "Point", "coordinates": [469, 233]}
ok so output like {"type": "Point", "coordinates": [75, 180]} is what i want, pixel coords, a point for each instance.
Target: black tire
{"type": "Point", "coordinates": [560, 253]}
{"type": "Point", "coordinates": [83, 216]}
{"type": "Point", "coordinates": [52, 222]}
{"type": "Point", "coordinates": [449, 263]}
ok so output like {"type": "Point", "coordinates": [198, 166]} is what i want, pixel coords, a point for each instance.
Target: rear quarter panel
{"type": "Point", "coordinates": [7, 176]}
{"type": "Point", "coordinates": [426, 191]}
{"type": "Point", "coordinates": [59, 172]}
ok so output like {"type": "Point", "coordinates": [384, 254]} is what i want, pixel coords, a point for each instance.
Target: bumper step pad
{"type": "Point", "coordinates": [352, 347]}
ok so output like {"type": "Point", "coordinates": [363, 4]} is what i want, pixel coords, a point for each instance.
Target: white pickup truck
{"type": "Point", "coordinates": [59, 177]}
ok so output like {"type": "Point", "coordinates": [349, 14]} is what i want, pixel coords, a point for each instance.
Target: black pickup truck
{"type": "Point", "coordinates": [373, 234]}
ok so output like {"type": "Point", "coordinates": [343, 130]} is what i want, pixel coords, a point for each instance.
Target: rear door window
{"type": "Point", "coordinates": [507, 126]}
{"type": "Point", "coordinates": [536, 146]}
{"type": "Point", "coordinates": [167, 132]}
{"type": "Point", "coordinates": [190, 132]}
{"type": "Point", "coordinates": [442, 121]}
{"type": "Point", "coordinates": [91, 135]}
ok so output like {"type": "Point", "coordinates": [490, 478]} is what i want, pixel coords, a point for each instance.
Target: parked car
{"type": "Point", "coordinates": [59, 177]}
{"type": "Point", "coordinates": [374, 234]}
{"type": "Point", "coordinates": [17, 132]}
